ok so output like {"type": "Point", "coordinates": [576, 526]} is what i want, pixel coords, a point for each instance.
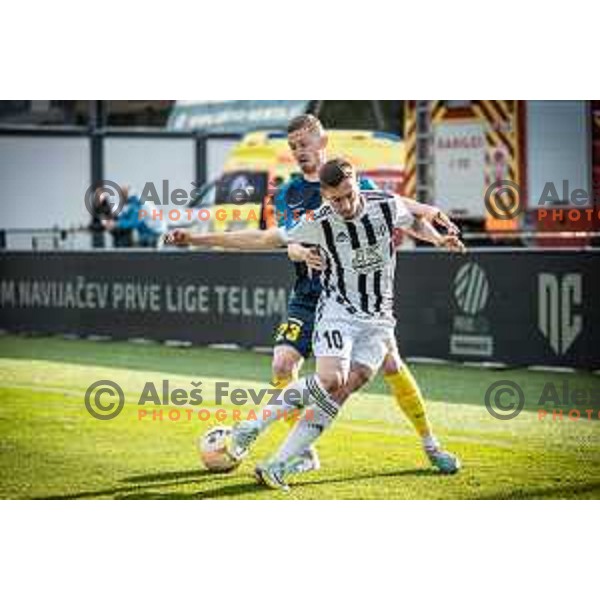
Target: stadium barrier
{"type": "Point", "coordinates": [519, 307]}
{"type": "Point", "coordinates": [46, 172]}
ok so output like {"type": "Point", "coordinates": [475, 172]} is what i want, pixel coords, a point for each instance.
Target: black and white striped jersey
{"type": "Point", "coordinates": [359, 254]}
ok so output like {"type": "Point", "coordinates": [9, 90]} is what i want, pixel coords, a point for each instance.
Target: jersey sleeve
{"type": "Point", "coordinates": [402, 217]}
{"type": "Point", "coordinates": [305, 231]}
{"type": "Point", "coordinates": [281, 204]}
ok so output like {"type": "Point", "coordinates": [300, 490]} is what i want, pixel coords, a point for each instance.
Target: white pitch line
{"type": "Point", "coordinates": [547, 368]}
{"type": "Point", "coordinates": [177, 343]}
{"type": "Point", "coordinates": [224, 346]}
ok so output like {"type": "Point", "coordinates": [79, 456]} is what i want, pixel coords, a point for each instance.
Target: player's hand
{"type": "Point", "coordinates": [441, 218]}
{"type": "Point", "coordinates": [453, 244]}
{"type": "Point", "coordinates": [313, 259]}
{"type": "Point", "coordinates": [177, 237]}
{"type": "Point", "coordinates": [310, 256]}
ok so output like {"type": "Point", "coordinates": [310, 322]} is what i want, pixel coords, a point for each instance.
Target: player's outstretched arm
{"type": "Point", "coordinates": [424, 230]}
{"type": "Point", "coordinates": [432, 215]}
{"type": "Point", "coordinates": [248, 239]}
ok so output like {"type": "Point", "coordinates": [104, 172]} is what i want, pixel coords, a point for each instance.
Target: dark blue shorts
{"type": "Point", "coordinates": [297, 330]}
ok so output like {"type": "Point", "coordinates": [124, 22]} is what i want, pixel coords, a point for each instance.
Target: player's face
{"type": "Point", "coordinates": [344, 199]}
{"type": "Point", "coordinates": [307, 147]}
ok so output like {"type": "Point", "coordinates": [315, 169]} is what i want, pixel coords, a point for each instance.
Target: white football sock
{"type": "Point", "coordinates": [313, 422]}
{"type": "Point", "coordinates": [430, 443]}
{"type": "Point", "coordinates": [271, 413]}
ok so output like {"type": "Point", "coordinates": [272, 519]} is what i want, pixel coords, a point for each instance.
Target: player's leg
{"type": "Point", "coordinates": [331, 376]}
{"type": "Point", "coordinates": [409, 398]}
{"type": "Point", "coordinates": [406, 392]}
{"type": "Point", "coordinates": [339, 343]}
{"type": "Point", "coordinates": [293, 339]}
{"type": "Point", "coordinates": [287, 361]}
{"type": "Point", "coordinates": [379, 346]}
{"type": "Point", "coordinates": [293, 343]}
{"type": "Point", "coordinates": [358, 377]}
{"type": "Point", "coordinates": [370, 344]}
{"type": "Point", "coordinates": [333, 340]}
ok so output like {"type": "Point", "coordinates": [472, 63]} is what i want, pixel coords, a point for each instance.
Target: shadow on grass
{"type": "Point", "coordinates": [166, 475]}
{"type": "Point", "coordinates": [238, 489]}
{"type": "Point", "coordinates": [556, 492]}
{"type": "Point", "coordinates": [227, 491]}
{"type": "Point", "coordinates": [137, 483]}
{"type": "Point", "coordinates": [426, 472]}
{"type": "Point", "coordinates": [143, 487]}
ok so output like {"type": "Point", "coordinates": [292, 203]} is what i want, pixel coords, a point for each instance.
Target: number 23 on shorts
{"type": "Point", "coordinates": [289, 331]}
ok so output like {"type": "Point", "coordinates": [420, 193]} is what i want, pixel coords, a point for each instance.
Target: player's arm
{"type": "Point", "coordinates": [424, 230]}
{"type": "Point", "coordinates": [431, 214]}
{"type": "Point", "coordinates": [305, 232]}
{"type": "Point", "coordinates": [247, 239]}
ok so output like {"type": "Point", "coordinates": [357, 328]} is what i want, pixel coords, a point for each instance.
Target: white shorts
{"type": "Point", "coordinates": [352, 338]}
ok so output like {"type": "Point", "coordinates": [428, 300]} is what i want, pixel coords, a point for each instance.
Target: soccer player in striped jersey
{"type": "Point", "coordinates": [359, 262]}
{"type": "Point", "coordinates": [355, 323]}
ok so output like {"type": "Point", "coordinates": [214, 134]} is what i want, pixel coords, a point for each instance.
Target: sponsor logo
{"type": "Point", "coordinates": [471, 330]}
{"type": "Point", "coordinates": [367, 259]}
{"type": "Point", "coordinates": [557, 298]}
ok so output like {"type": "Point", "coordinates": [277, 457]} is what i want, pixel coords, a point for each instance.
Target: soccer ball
{"type": "Point", "coordinates": [214, 450]}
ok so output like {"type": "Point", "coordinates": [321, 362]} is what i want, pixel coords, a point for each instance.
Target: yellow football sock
{"type": "Point", "coordinates": [408, 397]}
{"type": "Point", "coordinates": [281, 382]}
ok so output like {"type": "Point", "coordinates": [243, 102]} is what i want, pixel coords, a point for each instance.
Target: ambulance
{"type": "Point", "coordinates": [242, 197]}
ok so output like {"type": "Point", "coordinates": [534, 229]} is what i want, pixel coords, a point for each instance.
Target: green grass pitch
{"type": "Point", "coordinates": [50, 447]}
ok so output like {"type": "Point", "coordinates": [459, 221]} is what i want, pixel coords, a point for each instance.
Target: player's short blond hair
{"type": "Point", "coordinates": [309, 122]}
